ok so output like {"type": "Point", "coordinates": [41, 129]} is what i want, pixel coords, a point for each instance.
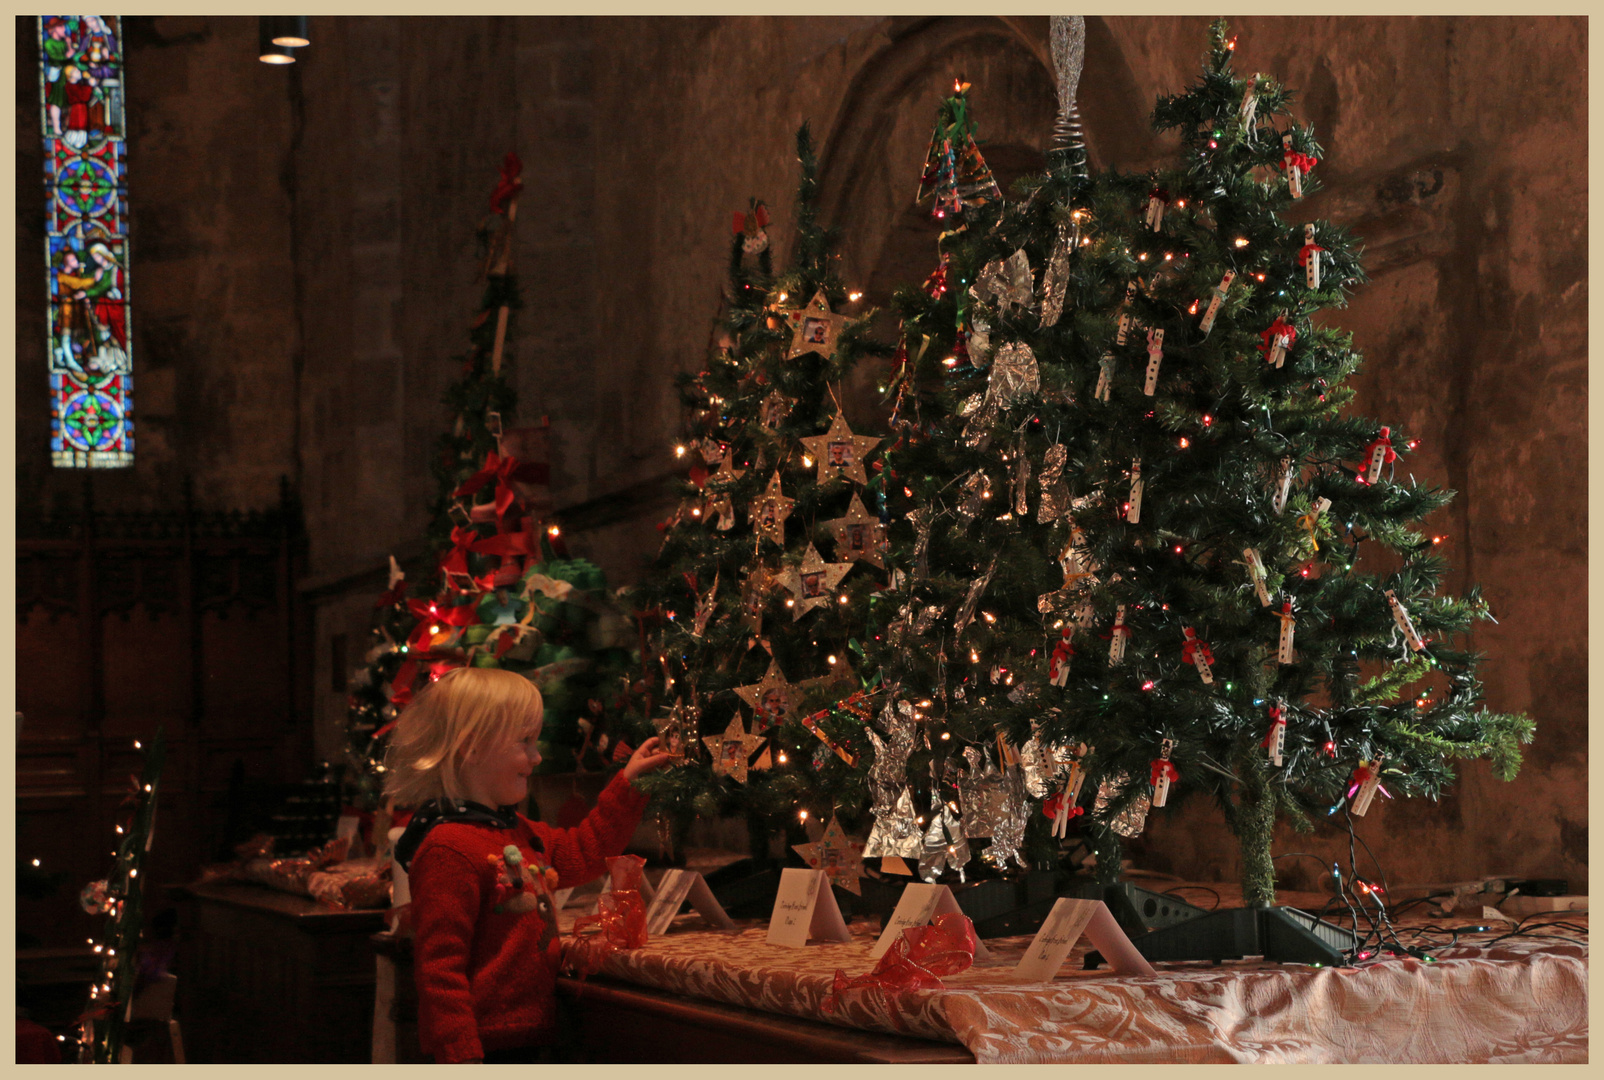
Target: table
{"type": "Point", "coordinates": [267, 976]}
{"type": "Point", "coordinates": [1522, 1000]}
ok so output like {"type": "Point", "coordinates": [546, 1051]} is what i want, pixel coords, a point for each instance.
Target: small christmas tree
{"type": "Point", "coordinates": [120, 898]}
{"type": "Point", "coordinates": [770, 565]}
{"type": "Point", "coordinates": [502, 591]}
{"type": "Point", "coordinates": [1280, 638]}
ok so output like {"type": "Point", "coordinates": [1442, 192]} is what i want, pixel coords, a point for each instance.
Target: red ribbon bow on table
{"type": "Point", "coordinates": [620, 919]}
{"type": "Point", "coordinates": [509, 186]}
{"type": "Point", "coordinates": [503, 470]}
{"type": "Point", "coordinates": [1279, 328]}
{"type": "Point", "coordinates": [1163, 767]}
{"type": "Point", "coordinates": [1195, 645]}
{"type": "Point", "coordinates": [1277, 716]}
{"type": "Point", "coordinates": [1049, 806]}
{"type": "Point", "coordinates": [915, 961]}
{"type": "Point", "coordinates": [1305, 251]}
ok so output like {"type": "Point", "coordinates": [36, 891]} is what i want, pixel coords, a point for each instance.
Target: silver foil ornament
{"type": "Point", "coordinates": [1008, 823]}
{"type": "Point", "coordinates": [1055, 281]}
{"type": "Point", "coordinates": [975, 489]}
{"type": "Point", "coordinates": [1055, 500]}
{"type": "Point", "coordinates": [1014, 374]}
{"type": "Point", "coordinates": [945, 846]}
{"type": "Point", "coordinates": [896, 834]}
{"type": "Point", "coordinates": [966, 611]}
{"type": "Point", "coordinates": [1133, 819]}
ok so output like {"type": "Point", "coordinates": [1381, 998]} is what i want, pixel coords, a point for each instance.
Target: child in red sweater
{"type": "Point", "coordinates": [481, 873]}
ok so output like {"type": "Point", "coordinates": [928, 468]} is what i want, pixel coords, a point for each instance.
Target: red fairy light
{"type": "Point", "coordinates": [1148, 685]}
{"type": "Point", "coordinates": [1208, 421]}
{"type": "Point", "coordinates": [1193, 309]}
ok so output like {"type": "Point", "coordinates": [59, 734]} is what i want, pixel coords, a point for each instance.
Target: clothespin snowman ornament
{"type": "Point", "coordinates": [1377, 454]}
{"type": "Point", "coordinates": [1256, 574]}
{"type": "Point", "coordinates": [1297, 166]}
{"type": "Point", "coordinates": [1058, 666]}
{"type": "Point", "coordinates": [1196, 652]}
{"type": "Point", "coordinates": [1133, 509]}
{"type": "Point", "coordinates": [1216, 300]}
{"type": "Point", "coordinates": [1277, 340]}
{"type": "Point", "coordinates": [1116, 645]}
{"type": "Point", "coordinates": [1309, 257]}
{"type": "Point", "coordinates": [1164, 773]}
{"type": "Point", "coordinates": [1059, 806]}
{"type": "Point", "coordinates": [1289, 625]}
{"type": "Point", "coordinates": [1126, 321]}
{"type": "Point", "coordinates": [1105, 377]}
{"type": "Point", "coordinates": [1275, 742]}
{"type": "Point", "coordinates": [1155, 357]}
{"type": "Point", "coordinates": [1366, 779]}
{"type": "Point", "coordinates": [1405, 624]}
{"type": "Point", "coordinates": [1157, 200]}
{"type": "Point", "coordinates": [1283, 487]}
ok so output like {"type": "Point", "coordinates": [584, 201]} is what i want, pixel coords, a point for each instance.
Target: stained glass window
{"type": "Point", "coordinates": [86, 245]}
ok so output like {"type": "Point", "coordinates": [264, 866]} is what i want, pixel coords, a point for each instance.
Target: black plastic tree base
{"type": "Point", "coordinates": [1137, 910]}
{"type": "Point", "coordinates": [1282, 935]}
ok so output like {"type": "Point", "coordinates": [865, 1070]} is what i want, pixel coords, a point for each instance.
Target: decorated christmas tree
{"type": "Point", "coordinates": [1256, 609]}
{"type": "Point", "coordinates": [1024, 293]}
{"type": "Point", "coordinates": [770, 567]}
{"type": "Point", "coordinates": [119, 897]}
{"type": "Point", "coordinates": [500, 589]}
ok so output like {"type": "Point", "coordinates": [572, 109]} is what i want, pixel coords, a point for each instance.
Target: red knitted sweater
{"type": "Point", "coordinates": [487, 971]}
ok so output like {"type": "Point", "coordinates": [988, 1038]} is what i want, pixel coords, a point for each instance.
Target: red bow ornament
{"type": "Point", "coordinates": [1275, 741]}
{"type": "Point", "coordinates": [1161, 775]}
{"type": "Point", "coordinates": [915, 961]}
{"type": "Point", "coordinates": [509, 186]}
{"type": "Point", "coordinates": [936, 283]}
{"type": "Point", "coordinates": [1296, 165]}
{"type": "Point", "coordinates": [504, 471]}
{"type": "Point", "coordinates": [1058, 668]}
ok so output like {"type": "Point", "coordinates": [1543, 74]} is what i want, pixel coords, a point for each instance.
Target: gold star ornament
{"type": "Point", "coordinates": [815, 328]}
{"type": "Point", "coordinates": [773, 699]}
{"type": "Point", "coordinates": [769, 511]}
{"type": "Point", "coordinates": [813, 583]}
{"type": "Point", "coordinates": [732, 751]}
{"type": "Point", "coordinates": [675, 729]}
{"type": "Point", "coordinates": [859, 535]}
{"type": "Point", "coordinates": [838, 452]}
{"type": "Point", "coordinates": [840, 857]}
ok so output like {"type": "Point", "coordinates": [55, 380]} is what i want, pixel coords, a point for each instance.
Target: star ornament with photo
{"type": "Point", "coordinates": [859, 535]}
{"type": "Point", "coordinates": [840, 857]}
{"type": "Point", "coordinates": [838, 452]}
{"type": "Point", "coordinates": [674, 729]}
{"type": "Point", "coordinates": [732, 751]}
{"type": "Point", "coordinates": [773, 699]}
{"type": "Point", "coordinates": [815, 328]}
{"type": "Point", "coordinates": [813, 582]}
{"type": "Point", "coordinates": [769, 511]}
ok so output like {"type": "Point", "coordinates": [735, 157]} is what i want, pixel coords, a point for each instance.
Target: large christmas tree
{"type": "Point", "coordinates": [770, 566]}
{"type": "Point", "coordinates": [499, 589]}
{"type": "Point", "coordinates": [1280, 638]}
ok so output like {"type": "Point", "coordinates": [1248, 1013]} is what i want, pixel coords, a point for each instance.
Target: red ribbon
{"type": "Point", "coordinates": [1293, 159]}
{"type": "Point", "coordinates": [1061, 654]}
{"type": "Point", "coordinates": [1384, 439]}
{"type": "Point", "coordinates": [509, 186]}
{"type": "Point", "coordinates": [1164, 767]}
{"type": "Point", "coordinates": [1279, 328]}
{"type": "Point", "coordinates": [1161, 194]}
{"type": "Point", "coordinates": [620, 917]}
{"type": "Point", "coordinates": [1193, 646]}
{"type": "Point", "coordinates": [936, 283]}
{"type": "Point", "coordinates": [504, 470]}
{"type": "Point", "coordinates": [915, 961]}
{"type": "Point", "coordinates": [1049, 808]}
{"type": "Point", "coordinates": [1307, 250]}
{"type": "Point", "coordinates": [1277, 717]}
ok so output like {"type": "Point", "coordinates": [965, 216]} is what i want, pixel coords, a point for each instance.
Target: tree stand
{"type": "Point", "coordinates": [1282, 935]}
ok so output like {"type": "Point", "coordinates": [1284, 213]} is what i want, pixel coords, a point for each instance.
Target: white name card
{"type": "Point", "coordinates": [920, 902]}
{"type": "Point", "coordinates": [673, 890]}
{"type": "Point", "coordinates": [1064, 926]}
{"type": "Point", "coordinates": [804, 909]}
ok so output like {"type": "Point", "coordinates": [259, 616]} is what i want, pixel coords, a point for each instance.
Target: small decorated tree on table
{"type": "Point", "coordinates": [1280, 636]}
{"type": "Point", "coordinates": [772, 562]}
{"type": "Point", "coordinates": [502, 590]}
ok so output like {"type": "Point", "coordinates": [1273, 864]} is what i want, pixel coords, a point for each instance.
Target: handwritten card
{"type": "Point", "coordinates": [673, 890]}
{"type": "Point", "coordinates": [805, 909]}
{"type": "Point", "coordinates": [919, 904]}
{"type": "Point", "coordinates": [1065, 923]}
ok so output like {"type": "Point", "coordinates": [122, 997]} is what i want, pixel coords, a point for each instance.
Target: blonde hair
{"type": "Point", "coordinates": [465, 710]}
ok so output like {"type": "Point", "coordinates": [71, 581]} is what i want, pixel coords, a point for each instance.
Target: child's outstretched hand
{"type": "Point", "coordinates": [649, 758]}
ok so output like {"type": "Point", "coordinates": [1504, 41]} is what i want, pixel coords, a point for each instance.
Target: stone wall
{"type": "Point", "coordinates": [304, 272]}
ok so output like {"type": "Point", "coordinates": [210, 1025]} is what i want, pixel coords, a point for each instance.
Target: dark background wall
{"type": "Point", "coordinates": [304, 270]}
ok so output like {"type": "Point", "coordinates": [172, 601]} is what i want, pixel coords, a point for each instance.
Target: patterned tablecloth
{"type": "Point", "coordinates": [1518, 1000]}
